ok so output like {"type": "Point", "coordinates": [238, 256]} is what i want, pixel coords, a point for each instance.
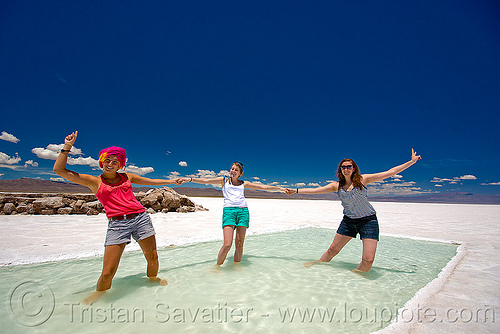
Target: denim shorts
{"type": "Point", "coordinates": [367, 227]}
{"type": "Point", "coordinates": [235, 216]}
{"type": "Point", "coordinates": [120, 231]}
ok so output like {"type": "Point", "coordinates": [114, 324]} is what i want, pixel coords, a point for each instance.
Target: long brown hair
{"type": "Point", "coordinates": [355, 178]}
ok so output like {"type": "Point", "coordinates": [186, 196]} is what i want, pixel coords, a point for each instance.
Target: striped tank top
{"type": "Point", "coordinates": [355, 203]}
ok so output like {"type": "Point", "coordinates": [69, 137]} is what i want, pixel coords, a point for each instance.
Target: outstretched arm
{"type": "Point", "coordinates": [203, 180]}
{"type": "Point", "coordinates": [60, 166]}
{"type": "Point", "coordinates": [368, 178]}
{"type": "Point", "coordinates": [144, 181]}
{"type": "Point", "coordinates": [258, 186]}
{"type": "Point", "coordinates": [331, 187]}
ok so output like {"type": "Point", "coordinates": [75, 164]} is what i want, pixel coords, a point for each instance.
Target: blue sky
{"type": "Point", "coordinates": [290, 88]}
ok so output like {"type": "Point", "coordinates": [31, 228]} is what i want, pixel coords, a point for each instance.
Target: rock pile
{"type": "Point", "coordinates": [155, 200]}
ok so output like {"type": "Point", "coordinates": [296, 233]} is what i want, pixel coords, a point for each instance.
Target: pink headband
{"type": "Point", "coordinates": [113, 150]}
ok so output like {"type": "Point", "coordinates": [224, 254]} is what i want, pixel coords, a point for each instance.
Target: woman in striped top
{"type": "Point", "coordinates": [359, 215]}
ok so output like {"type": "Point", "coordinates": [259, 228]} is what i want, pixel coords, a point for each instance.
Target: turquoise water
{"type": "Point", "coordinates": [269, 292]}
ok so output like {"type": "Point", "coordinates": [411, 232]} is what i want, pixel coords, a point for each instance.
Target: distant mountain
{"type": "Point", "coordinates": [26, 185]}
{"type": "Point", "coordinates": [454, 197]}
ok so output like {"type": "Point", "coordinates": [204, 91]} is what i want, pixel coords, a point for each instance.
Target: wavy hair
{"type": "Point", "coordinates": [355, 178]}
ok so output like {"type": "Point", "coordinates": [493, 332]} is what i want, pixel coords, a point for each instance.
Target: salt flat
{"type": "Point", "coordinates": [458, 301]}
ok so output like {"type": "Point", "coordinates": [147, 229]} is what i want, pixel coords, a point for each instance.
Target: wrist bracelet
{"type": "Point", "coordinates": [191, 180]}
{"type": "Point", "coordinates": [63, 150]}
{"type": "Point", "coordinates": [297, 190]}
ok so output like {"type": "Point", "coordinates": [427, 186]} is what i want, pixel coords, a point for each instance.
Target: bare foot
{"type": "Point", "coordinates": [93, 297]}
{"type": "Point", "coordinates": [216, 268]}
{"type": "Point", "coordinates": [237, 266]}
{"type": "Point", "coordinates": [359, 272]}
{"type": "Point", "coordinates": [160, 281]}
{"type": "Point", "coordinates": [309, 264]}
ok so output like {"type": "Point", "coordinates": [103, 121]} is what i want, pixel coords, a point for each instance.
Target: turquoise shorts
{"type": "Point", "coordinates": [235, 216]}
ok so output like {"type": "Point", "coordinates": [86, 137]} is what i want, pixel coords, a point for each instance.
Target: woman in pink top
{"type": "Point", "coordinates": [127, 217]}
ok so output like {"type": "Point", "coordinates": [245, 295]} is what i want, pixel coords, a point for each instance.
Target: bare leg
{"type": "Point", "coordinates": [238, 243]}
{"type": "Point", "coordinates": [112, 256]}
{"type": "Point", "coordinates": [369, 249]}
{"type": "Point", "coordinates": [226, 246]}
{"type": "Point", "coordinates": [148, 247]}
{"type": "Point", "coordinates": [339, 241]}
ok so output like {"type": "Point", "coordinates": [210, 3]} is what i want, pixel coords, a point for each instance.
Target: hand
{"type": "Point", "coordinates": [414, 156]}
{"type": "Point", "coordinates": [290, 191]}
{"type": "Point", "coordinates": [182, 180]}
{"type": "Point", "coordinates": [70, 139]}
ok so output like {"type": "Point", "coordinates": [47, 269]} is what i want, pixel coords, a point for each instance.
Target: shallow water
{"type": "Point", "coordinates": [269, 292]}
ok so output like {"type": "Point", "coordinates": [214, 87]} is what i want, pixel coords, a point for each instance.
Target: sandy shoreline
{"type": "Point", "coordinates": [467, 286]}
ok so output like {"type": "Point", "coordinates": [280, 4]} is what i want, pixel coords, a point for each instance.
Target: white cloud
{"type": "Point", "coordinates": [57, 179]}
{"type": "Point", "coordinates": [138, 170]}
{"type": "Point", "coordinates": [455, 180]}
{"type": "Point", "coordinates": [440, 180]}
{"type": "Point", "coordinates": [13, 167]}
{"type": "Point", "coordinates": [173, 175]}
{"type": "Point", "coordinates": [404, 184]}
{"type": "Point", "coordinates": [223, 173]}
{"type": "Point", "coordinates": [300, 184]}
{"type": "Point", "coordinates": [6, 159]}
{"type": "Point", "coordinates": [168, 153]}
{"type": "Point", "coordinates": [88, 161]}
{"type": "Point", "coordinates": [313, 184]}
{"type": "Point", "coordinates": [8, 137]}
{"type": "Point", "coordinates": [44, 153]}
{"type": "Point", "coordinates": [51, 152]}
{"type": "Point", "coordinates": [183, 164]}
{"type": "Point", "coordinates": [491, 184]}
{"type": "Point", "coordinates": [30, 163]}
{"type": "Point", "coordinates": [438, 185]}
{"type": "Point", "coordinates": [255, 178]}
{"type": "Point", "coordinates": [58, 147]}
{"type": "Point", "coordinates": [396, 189]}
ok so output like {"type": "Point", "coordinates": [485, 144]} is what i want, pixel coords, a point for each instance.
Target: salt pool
{"type": "Point", "coordinates": [269, 292]}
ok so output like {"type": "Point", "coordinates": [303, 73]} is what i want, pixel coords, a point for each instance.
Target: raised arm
{"type": "Point", "coordinates": [331, 187]}
{"type": "Point", "coordinates": [258, 186]}
{"type": "Point", "coordinates": [60, 166]}
{"type": "Point", "coordinates": [368, 178]}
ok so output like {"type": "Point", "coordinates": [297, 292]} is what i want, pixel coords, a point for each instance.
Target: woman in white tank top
{"type": "Point", "coordinates": [235, 215]}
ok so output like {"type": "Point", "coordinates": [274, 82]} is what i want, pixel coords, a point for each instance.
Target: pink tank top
{"type": "Point", "coordinates": [118, 199]}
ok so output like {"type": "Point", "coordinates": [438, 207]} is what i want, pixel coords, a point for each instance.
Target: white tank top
{"type": "Point", "coordinates": [234, 196]}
